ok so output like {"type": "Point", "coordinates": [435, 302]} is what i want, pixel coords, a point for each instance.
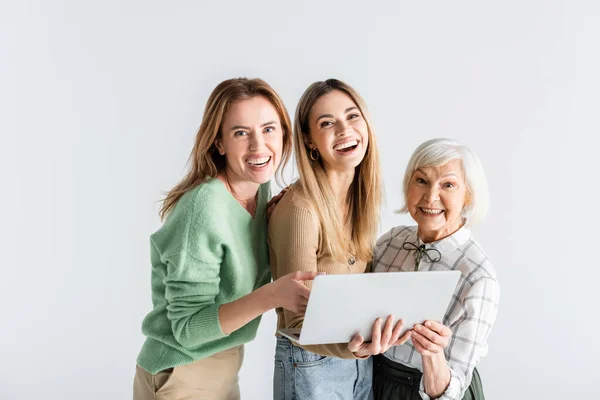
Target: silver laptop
{"type": "Point", "coordinates": [340, 306]}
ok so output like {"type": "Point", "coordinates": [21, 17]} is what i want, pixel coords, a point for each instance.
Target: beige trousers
{"type": "Point", "coordinates": [212, 378]}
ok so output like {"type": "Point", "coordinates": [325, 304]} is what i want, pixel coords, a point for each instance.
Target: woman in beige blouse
{"type": "Point", "coordinates": [327, 222]}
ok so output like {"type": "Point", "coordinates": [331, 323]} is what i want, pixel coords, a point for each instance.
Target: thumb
{"type": "Point", "coordinates": [403, 339]}
{"type": "Point", "coordinates": [305, 275]}
{"type": "Point", "coordinates": [354, 345]}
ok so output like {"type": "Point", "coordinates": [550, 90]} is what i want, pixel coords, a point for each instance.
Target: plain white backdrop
{"type": "Point", "coordinates": [100, 101]}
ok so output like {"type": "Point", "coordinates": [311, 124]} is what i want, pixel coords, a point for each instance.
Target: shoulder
{"type": "Point", "coordinates": [474, 263]}
{"type": "Point", "coordinates": [293, 212]}
{"type": "Point", "coordinates": [195, 217]}
{"type": "Point", "coordinates": [396, 235]}
{"type": "Point", "coordinates": [207, 197]}
{"type": "Point", "coordinates": [392, 241]}
{"type": "Point", "coordinates": [293, 203]}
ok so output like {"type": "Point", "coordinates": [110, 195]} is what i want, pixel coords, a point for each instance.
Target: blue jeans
{"type": "Point", "coordinates": [303, 375]}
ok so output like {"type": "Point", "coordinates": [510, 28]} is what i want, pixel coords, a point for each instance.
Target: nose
{"type": "Point", "coordinates": [257, 141]}
{"type": "Point", "coordinates": [432, 194]}
{"type": "Point", "coordinates": [344, 128]}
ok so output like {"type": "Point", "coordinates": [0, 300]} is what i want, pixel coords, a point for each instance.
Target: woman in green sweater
{"type": "Point", "coordinates": [210, 266]}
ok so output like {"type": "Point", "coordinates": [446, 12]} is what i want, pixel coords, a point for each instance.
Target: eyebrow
{"type": "Point", "coordinates": [444, 176]}
{"type": "Point", "coordinates": [248, 128]}
{"type": "Point", "coordinates": [347, 110]}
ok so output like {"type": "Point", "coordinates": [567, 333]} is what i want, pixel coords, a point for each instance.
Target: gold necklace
{"type": "Point", "coordinates": [244, 202]}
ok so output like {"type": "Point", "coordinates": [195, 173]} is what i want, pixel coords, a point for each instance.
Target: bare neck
{"type": "Point", "coordinates": [340, 182]}
{"type": "Point", "coordinates": [241, 190]}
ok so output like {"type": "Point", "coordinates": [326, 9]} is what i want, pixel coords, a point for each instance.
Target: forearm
{"type": "Point", "coordinates": [234, 315]}
{"type": "Point", "coordinates": [436, 375]}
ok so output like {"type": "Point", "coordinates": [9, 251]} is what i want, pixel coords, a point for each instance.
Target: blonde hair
{"type": "Point", "coordinates": [436, 152]}
{"type": "Point", "coordinates": [205, 162]}
{"type": "Point", "coordinates": [365, 193]}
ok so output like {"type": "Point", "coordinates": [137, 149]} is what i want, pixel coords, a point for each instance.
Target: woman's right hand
{"type": "Point", "coordinates": [290, 293]}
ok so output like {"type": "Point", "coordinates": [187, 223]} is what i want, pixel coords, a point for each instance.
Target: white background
{"type": "Point", "coordinates": [100, 101]}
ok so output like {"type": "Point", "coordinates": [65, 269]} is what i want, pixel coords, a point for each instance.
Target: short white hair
{"type": "Point", "coordinates": [436, 152]}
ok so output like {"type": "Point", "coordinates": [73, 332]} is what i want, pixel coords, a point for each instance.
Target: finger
{"type": "Point", "coordinates": [356, 342]}
{"type": "Point", "coordinates": [429, 334]}
{"type": "Point", "coordinates": [416, 341]}
{"type": "Point", "coordinates": [407, 335]}
{"type": "Point", "coordinates": [376, 337]}
{"type": "Point", "coordinates": [424, 342]}
{"type": "Point", "coordinates": [397, 331]}
{"type": "Point", "coordinates": [303, 292]}
{"type": "Point", "coordinates": [304, 275]}
{"type": "Point", "coordinates": [420, 349]}
{"type": "Point", "coordinates": [439, 328]}
{"type": "Point", "coordinates": [273, 201]}
{"type": "Point", "coordinates": [387, 331]}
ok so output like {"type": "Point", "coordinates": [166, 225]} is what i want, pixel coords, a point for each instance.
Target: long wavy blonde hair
{"type": "Point", "coordinates": [205, 162]}
{"type": "Point", "coordinates": [365, 193]}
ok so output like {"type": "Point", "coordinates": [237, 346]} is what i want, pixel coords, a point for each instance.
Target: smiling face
{"type": "Point", "coordinates": [435, 199]}
{"type": "Point", "coordinates": [338, 131]}
{"type": "Point", "coordinates": [251, 140]}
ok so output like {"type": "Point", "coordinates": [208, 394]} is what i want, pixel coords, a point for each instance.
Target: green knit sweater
{"type": "Point", "coordinates": [210, 251]}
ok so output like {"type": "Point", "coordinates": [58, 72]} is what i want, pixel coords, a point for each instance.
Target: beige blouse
{"type": "Point", "coordinates": [296, 244]}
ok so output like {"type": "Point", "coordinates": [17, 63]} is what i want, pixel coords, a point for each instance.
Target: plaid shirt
{"type": "Point", "coordinates": [473, 307]}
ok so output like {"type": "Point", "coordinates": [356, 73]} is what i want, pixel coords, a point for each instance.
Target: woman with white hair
{"type": "Point", "coordinates": [445, 192]}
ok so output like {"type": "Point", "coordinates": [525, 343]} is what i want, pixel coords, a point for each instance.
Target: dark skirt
{"type": "Point", "coordinates": [392, 380]}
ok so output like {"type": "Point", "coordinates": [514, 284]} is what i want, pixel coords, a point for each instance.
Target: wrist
{"type": "Point", "coordinates": [436, 375]}
{"type": "Point", "coordinates": [268, 296]}
{"type": "Point", "coordinates": [435, 360]}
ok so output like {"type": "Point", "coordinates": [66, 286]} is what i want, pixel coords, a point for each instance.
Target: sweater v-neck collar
{"type": "Point", "coordinates": [237, 205]}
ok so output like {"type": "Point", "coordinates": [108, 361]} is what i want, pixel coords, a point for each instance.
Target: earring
{"type": "Point", "coordinates": [312, 156]}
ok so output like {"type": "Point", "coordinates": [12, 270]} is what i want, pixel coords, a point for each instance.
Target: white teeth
{"type": "Point", "coordinates": [259, 161]}
{"type": "Point", "coordinates": [345, 145]}
{"type": "Point", "coordinates": [430, 211]}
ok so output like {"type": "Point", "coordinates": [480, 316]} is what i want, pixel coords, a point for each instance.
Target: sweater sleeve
{"type": "Point", "coordinates": [191, 288]}
{"type": "Point", "coordinates": [294, 242]}
{"type": "Point", "coordinates": [190, 245]}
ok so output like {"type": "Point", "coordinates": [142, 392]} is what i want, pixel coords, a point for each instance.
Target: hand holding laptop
{"type": "Point", "coordinates": [429, 338]}
{"type": "Point", "coordinates": [381, 340]}
{"type": "Point", "coordinates": [290, 293]}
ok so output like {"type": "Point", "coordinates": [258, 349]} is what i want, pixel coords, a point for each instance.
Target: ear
{"type": "Point", "coordinates": [219, 146]}
{"type": "Point", "coordinates": [468, 199]}
{"type": "Point", "coordinates": [308, 142]}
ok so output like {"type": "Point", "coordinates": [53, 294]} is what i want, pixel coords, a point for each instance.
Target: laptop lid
{"type": "Point", "coordinates": [342, 305]}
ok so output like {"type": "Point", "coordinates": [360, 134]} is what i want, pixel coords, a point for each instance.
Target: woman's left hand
{"type": "Point", "coordinates": [273, 202]}
{"type": "Point", "coordinates": [381, 341]}
{"type": "Point", "coordinates": [430, 338]}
